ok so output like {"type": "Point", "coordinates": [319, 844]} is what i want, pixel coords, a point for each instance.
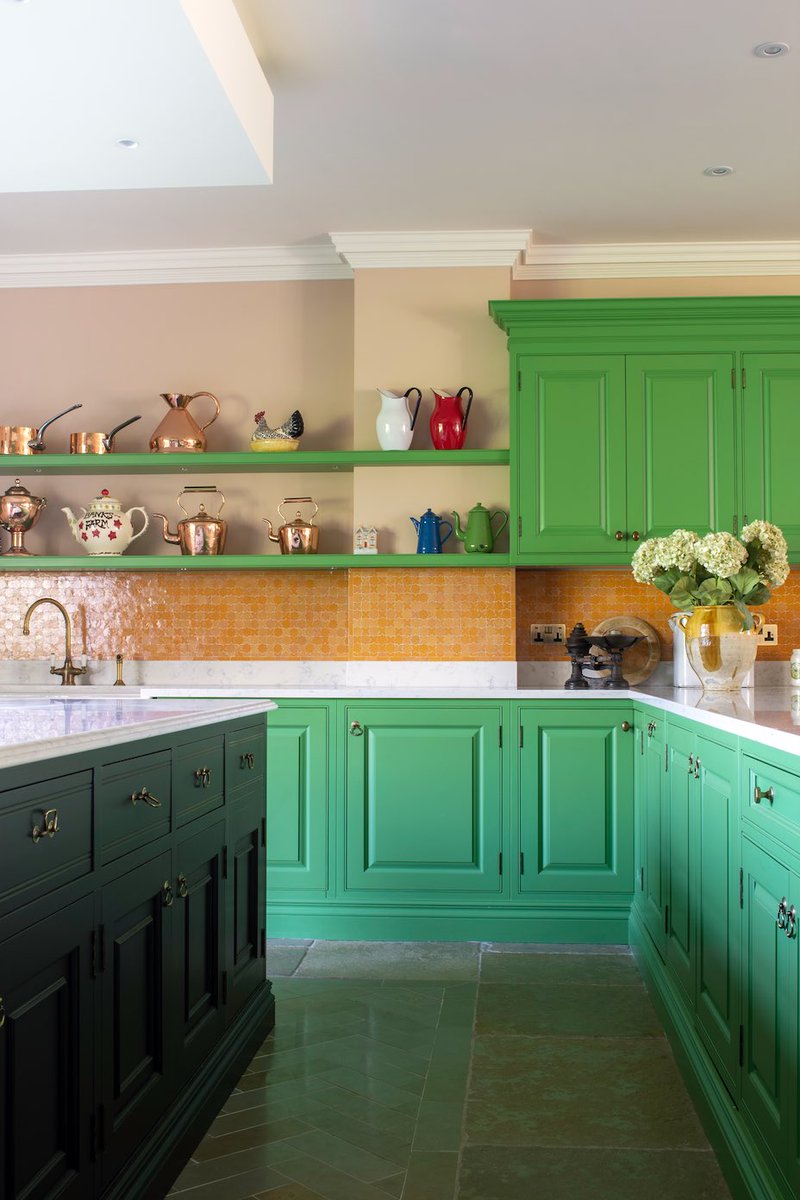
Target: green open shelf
{"type": "Point", "coordinates": [248, 460]}
{"type": "Point", "coordinates": [245, 562]}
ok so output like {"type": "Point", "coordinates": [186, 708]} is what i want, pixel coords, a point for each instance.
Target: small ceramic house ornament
{"type": "Point", "coordinates": [366, 540]}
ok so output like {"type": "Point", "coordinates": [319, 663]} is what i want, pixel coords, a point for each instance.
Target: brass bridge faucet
{"type": "Point", "coordinates": [68, 671]}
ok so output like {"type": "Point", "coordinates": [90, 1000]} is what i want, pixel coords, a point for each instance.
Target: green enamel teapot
{"type": "Point", "coordinates": [479, 535]}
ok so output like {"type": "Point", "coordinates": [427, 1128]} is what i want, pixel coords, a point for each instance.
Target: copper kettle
{"type": "Point", "coordinates": [297, 536]}
{"type": "Point", "coordinates": [201, 533]}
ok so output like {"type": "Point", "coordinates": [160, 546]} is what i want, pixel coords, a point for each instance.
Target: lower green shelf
{"type": "Point", "coordinates": [246, 562]}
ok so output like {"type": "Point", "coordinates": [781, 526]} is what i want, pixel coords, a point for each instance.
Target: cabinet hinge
{"type": "Point", "coordinates": [641, 879]}
{"type": "Point", "coordinates": [519, 526]}
{"type": "Point", "coordinates": [500, 863]}
{"type": "Point", "coordinates": [733, 379]}
{"type": "Point", "coordinates": [263, 943]}
{"type": "Point", "coordinates": [224, 862]}
{"type": "Point", "coordinates": [519, 380]}
{"type": "Point", "coordinates": [744, 377]}
{"type": "Point", "coordinates": [641, 741]}
{"type": "Point", "coordinates": [666, 758]}
{"type": "Point", "coordinates": [666, 918]}
{"type": "Point", "coordinates": [741, 1045]}
{"type": "Point", "coordinates": [263, 831]}
{"type": "Point", "coordinates": [521, 862]}
{"type": "Point", "coordinates": [741, 887]}
{"type": "Point", "coordinates": [224, 987]}
{"type": "Point", "coordinates": [500, 736]}
{"type": "Point", "coordinates": [521, 737]}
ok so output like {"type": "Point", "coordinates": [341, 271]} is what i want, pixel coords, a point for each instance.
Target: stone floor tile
{"type": "Point", "coordinates": [588, 1011]}
{"type": "Point", "coordinates": [404, 961]}
{"type": "Point", "coordinates": [431, 1176]}
{"type": "Point", "coordinates": [393, 1186]}
{"type": "Point", "coordinates": [551, 948]}
{"type": "Point", "coordinates": [283, 960]}
{"type": "Point", "coordinates": [288, 1191]}
{"type": "Point", "coordinates": [344, 1156]}
{"type": "Point", "coordinates": [215, 1169]}
{"type": "Point", "coordinates": [377, 1116]}
{"type": "Point", "coordinates": [594, 969]}
{"type": "Point", "coordinates": [439, 1126]}
{"type": "Point", "coordinates": [331, 1183]}
{"type": "Point", "coordinates": [236, 1187]}
{"type": "Point", "coordinates": [246, 1139]}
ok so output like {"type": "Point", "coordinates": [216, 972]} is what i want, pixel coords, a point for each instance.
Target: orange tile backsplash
{"type": "Point", "coordinates": [391, 615]}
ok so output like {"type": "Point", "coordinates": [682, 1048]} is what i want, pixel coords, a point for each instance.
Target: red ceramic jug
{"type": "Point", "coordinates": [448, 422]}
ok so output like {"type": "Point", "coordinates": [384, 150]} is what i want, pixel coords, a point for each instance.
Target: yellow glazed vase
{"type": "Point", "coordinates": [719, 650]}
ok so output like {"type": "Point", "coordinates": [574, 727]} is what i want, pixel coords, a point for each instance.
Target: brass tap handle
{"type": "Point", "coordinates": [146, 796]}
{"type": "Point", "coordinates": [49, 827]}
{"type": "Point", "coordinates": [758, 795]}
{"type": "Point", "coordinates": [780, 919]}
{"type": "Point", "coordinates": [167, 896]}
{"type": "Point", "coordinates": [183, 887]}
{"type": "Point", "coordinates": [119, 681]}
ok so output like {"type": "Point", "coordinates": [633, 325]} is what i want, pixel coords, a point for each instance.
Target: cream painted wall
{"type": "Point", "coordinates": [594, 289]}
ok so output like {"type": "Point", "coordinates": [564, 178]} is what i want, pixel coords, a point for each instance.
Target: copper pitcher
{"type": "Point", "coordinates": [201, 533]}
{"type": "Point", "coordinates": [297, 536]}
{"type": "Point", "coordinates": [179, 433]}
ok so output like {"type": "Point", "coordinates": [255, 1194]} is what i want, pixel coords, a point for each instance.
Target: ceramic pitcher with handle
{"type": "Point", "coordinates": [178, 432]}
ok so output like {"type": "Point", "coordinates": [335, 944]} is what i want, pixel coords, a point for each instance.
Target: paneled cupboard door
{"type": "Point", "coordinates": [771, 435]}
{"type": "Point", "coordinates": [681, 443]}
{"type": "Point", "coordinates": [297, 786]}
{"type": "Point", "coordinates": [576, 800]}
{"type": "Point", "coordinates": [571, 458]}
{"type": "Point", "coordinates": [423, 798]}
{"type": "Point", "coordinates": [678, 922]}
{"type": "Point", "coordinates": [652, 818]}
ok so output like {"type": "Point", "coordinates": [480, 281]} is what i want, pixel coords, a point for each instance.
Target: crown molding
{"type": "Point", "coordinates": [230, 264]}
{"type": "Point", "coordinates": [438, 248]}
{"type": "Point", "coordinates": [658, 260]}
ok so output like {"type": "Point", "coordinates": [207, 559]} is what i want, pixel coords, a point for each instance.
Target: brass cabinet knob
{"type": "Point", "coordinates": [625, 726]}
{"type": "Point", "coordinates": [619, 535]}
{"type": "Point", "coordinates": [247, 760]}
{"type": "Point", "coordinates": [780, 919]}
{"type": "Point", "coordinates": [146, 797]}
{"type": "Point", "coordinates": [183, 887]}
{"type": "Point", "coordinates": [636, 535]}
{"type": "Point", "coordinates": [758, 795]}
{"type": "Point", "coordinates": [355, 729]}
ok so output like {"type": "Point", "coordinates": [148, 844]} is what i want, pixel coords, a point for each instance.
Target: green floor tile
{"type": "Point", "coordinates": [534, 1009]}
{"type": "Point", "coordinates": [431, 1176]}
{"type": "Point", "coordinates": [595, 969]}
{"type": "Point", "coordinates": [510, 1173]}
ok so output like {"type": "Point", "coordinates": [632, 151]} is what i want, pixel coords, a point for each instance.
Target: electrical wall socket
{"type": "Point", "coordinates": [555, 634]}
{"type": "Point", "coordinates": [768, 635]}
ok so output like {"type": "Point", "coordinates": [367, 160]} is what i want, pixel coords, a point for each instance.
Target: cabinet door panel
{"type": "Point", "coordinates": [198, 920]}
{"type": "Point", "coordinates": [576, 802]}
{"type": "Point", "coordinates": [767, 1075]}
{"type": "Point", "coordinates": [681, 409]}
{"type": "Point", "coordinates": [137, 1055]}
{"type": "Point", "coordinates": [716, 906]}
{"type": "Point", "coordinates": [246, 903]}
{"type": "Point", "coordinates": [423, 799]}
{"type": "Point", "coordinates": [46, 1058]}
{"type": "Point", "coordinates": [654, 833]}
{"type": "Point", "coordinates": [678, 916]}
{"type": "Point", "coordinates": [571, 465]}
{"type": "Point", "coordinates": [771, 434]}
{"type": "Point", "coordinates": [297, 786]}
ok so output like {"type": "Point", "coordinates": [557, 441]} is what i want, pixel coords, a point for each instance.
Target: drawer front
{"type": "Point", "coordinates": [771, 799]}
{"type": "Point", "coordinates": [134, 803]}
{"type": "Point", "coordinates": [245, 756]}
{"type": "Point", "coordinates": [198, 779]}
{"type": "Point", "coordinates": [46, 834]}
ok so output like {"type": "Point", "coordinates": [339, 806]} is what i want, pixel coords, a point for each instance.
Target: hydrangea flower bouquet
{"type": "Point", "coordinates": [718, 569]}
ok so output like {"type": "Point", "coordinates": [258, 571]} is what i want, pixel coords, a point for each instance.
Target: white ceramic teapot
{"type": "Point", "coordinates": [103, 528]}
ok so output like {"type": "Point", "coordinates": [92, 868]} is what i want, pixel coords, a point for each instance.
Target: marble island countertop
{"type": "Point", "coordinates": [40, 726]}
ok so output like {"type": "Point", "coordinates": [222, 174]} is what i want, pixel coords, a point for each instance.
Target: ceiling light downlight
{"type": "Point", "coordinates": [771, 50]}
{"type": "Point", "coordinates": [128, 144]}
{"type": "Point", "coordinates": [718, 172]}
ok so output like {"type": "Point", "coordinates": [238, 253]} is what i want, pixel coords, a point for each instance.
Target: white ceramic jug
{"type": "Point", "coordinates": [395, 424]}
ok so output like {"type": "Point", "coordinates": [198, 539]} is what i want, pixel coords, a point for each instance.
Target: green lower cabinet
{"type": "Point", "coordinates": [650, 895]}
{"type": "Point", "coordinates": [678, 922]}
{"type": "Point", "coordinates": [297, 787]}
{"type": "Point", "coordinates": [422, 798]}
{"type": "Point", "coordinates": [576, 799]}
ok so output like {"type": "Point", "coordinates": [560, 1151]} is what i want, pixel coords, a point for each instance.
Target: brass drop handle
{"type": "Point", "coordinates": [619, 535]}
{"type": "Point", "coordinates": [183, 887]}
{"type": "Point", "coordinates": [202, 777]}
{"type": "Point", "coordinates": [758, 795]}
{"type": "Point", "coordinates": [166, 893]}
{"type": "Point", "coordinates": [49, 827]}
{"type": "Point", "coordinates": [791, 922]}
{"type": "Point", "coordinates": [691, 763]}
{"type": "Point", "coordinates": [635, 535]}
{"type": "Point", "coordinates": [356, 729]}
{"type": "Point", "coordinates": [147, 797]}
{"type": "Point", "coordinates": [697, 768]}
{"type": "Point", "coordinates": [651, 728]}
{"type": "Point", "coordinates": [780, 920]}
{"type": "Point", "coordinates": [625, 726]}
{"type": "Point", "coordinates": [2, 1012]}
{"type": "Point", "coordinates": [247, 760]}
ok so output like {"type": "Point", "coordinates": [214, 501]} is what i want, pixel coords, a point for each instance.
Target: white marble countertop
{"type": "Point", "coordinates": [37, 727]}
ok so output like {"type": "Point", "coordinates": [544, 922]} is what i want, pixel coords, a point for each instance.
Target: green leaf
{"type": "Point", "coordinates": [747, 616]}
{"type": "Point", "coordinates": [760, 594]}
{"type": "Point", "coordinates": [715, 591]}
{"type": "Point", "coordinates": [683, 593]}
{"type": "Point", "coordinates": [744, 581]}
{"type": "Point", "coordinates": [666, 582]}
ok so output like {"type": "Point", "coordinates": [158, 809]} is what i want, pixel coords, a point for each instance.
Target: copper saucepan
{"type": "Point", "coordinates": [25, 439]}
{"type": "Point", "coordinates": [97, 443]}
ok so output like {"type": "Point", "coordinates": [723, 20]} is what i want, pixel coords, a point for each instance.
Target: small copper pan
{"type": "Point", "coordinates": [97, 443]}
{"type": "Point", "coordinates": [25, 439]}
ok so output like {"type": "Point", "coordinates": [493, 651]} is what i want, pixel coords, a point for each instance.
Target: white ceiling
{"type": "Point", "coordinates": [583, 121]}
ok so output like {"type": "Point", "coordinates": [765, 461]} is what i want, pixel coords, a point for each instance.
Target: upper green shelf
{"type": "Point", "coordinates": [248, 460]}
{"type": "Point", "coordinates": [246, 562]}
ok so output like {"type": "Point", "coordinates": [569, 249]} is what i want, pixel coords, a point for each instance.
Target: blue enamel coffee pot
{"type": "Point", "coordinates": [428, 527]}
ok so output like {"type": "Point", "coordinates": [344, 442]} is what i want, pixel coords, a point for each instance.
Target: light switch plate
{"type": "Point", "coordinates": [553, 634]}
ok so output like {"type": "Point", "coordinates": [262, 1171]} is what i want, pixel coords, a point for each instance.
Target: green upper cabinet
{"type": "Point", "coordinates": [681, 444]}
{"type": "Point", "coordinates": [771, 427]}
{"type": "Point", "coordinates": [422, 799]}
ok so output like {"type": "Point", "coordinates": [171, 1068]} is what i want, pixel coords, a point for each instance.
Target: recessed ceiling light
{"type": "Point", "coordinates": [128, 144]}
{"type": "Point", "coordinates": [716, 172]}
{"type": "Point", "coordinates": [771, 50]}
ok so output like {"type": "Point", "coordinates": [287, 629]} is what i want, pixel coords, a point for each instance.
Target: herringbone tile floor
{"type": "Point", "coordinates": [440, 1070]}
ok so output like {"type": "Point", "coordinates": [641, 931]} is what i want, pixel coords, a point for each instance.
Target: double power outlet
{"type": "Point", "coordinates": [554, 634]}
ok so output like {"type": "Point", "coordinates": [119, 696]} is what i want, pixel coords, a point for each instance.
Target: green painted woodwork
{"type": "Point", "coordinates": [771, 432]}
{"type": "Point", "coordinates": [246, 562]}
{"type": "Point", "coordinates": [235, 462]}
{"type": "Point", "coordinates": [651, 822]}
{"type": "Point", "coordinates": [678, 919]}
{"type": "Point", "coordinates": [576, 799]}
{"type": "Point", "coordinates": [680, 443]}
{"type": "Point", "coordinates": [422, 798]}
{"type": "Point", "coordinates": [298, 787]}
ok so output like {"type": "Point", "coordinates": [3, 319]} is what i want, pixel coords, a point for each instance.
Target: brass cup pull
{"type": "Point", "coordinates": [758, 795]}
{"type": "Point", "coordinates": [247, 760]}
{"type": "Point", "coordinates": [355, 729]}
{"type": "Point", "coordinates": [202, 777]}
{"type": "Point", "coordinates": [780, 920]}
{"type": "Point", "coordinates": [791, 922]}
{"type": "Point", "coordinates": [619, 536]}
{"type": "Point", "coordinates": [147, 797]}
{"type": "Point", "coordinates": [2, 1012]}
{"type": "Point", "coordinates": [625, 726]}
{"type": "Point", "coordinates": [635, 535]}
{"type": "Point", "coordinates": [183, 887]}
{"type": "Point", "coordinates": [49, 827]}
{"type": "Point", "coordinates": [691, 763]}
{"type": "Point", "coordinates": [166, 893]}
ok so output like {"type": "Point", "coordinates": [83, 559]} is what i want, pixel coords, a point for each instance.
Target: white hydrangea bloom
{"type": "Point", "coordinates": [648, 561]}
{"type": "Point", "coordinates": [774, 561]}
{"type": "Point", "coordinates": [721, 554]}
{"type": "Point", "coordinates": [680, 549]}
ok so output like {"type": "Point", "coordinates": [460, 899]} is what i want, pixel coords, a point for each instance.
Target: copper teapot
{"type": "Point", "coordinates": [178, 432]}
{"type": "Point", "coordinates": [297, 536]}
{"type": "Point", "coordinates": [201, 533]}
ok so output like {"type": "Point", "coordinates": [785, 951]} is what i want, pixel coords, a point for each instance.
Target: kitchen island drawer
{"type": "Point", "coordinates": [46, 832]}
{"type": "Point", "coordinates": [245, 755]}
{"type": "Point", "coordinates": [771, 799]}
{"type": "Point", "coordinates": [198, 779]}
{"type": "Point", "coordinates": [134, 803]}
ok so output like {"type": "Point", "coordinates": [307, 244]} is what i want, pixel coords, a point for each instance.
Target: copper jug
{"type": "Point", "coordinates": [297, 536]}
{"type": "Point", "coordinates": [201, 533]}
{"type": "Point", "coordinates": [179, 433]}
